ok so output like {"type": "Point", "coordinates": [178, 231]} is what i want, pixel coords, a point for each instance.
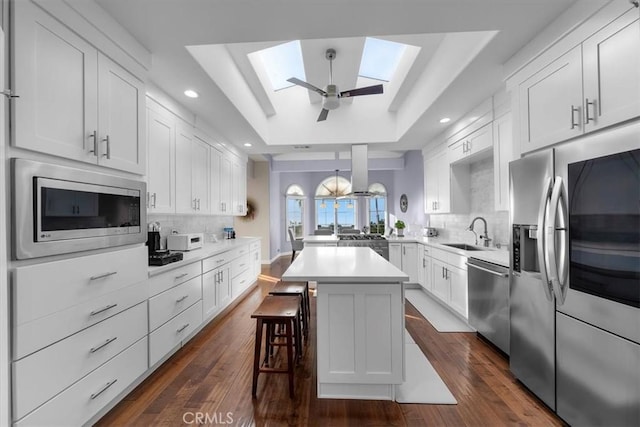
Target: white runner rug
{"type": "Point", "coordinates": [422, 382]}
{"type": "Point", "coordinates": [439, 317]}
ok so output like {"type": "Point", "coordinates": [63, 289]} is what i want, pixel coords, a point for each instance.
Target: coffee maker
{"type": "Point", "coordinates": [157, 255]}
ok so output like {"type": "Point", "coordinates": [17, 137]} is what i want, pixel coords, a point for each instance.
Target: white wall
{"type": "Point", "coordinates": [258, 195]}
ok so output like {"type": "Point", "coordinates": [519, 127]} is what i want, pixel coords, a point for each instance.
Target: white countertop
{"type": "Point", "coordinates": [342, 265]}
{"type": "Point", "coordinates": [496, 256]}
{"type": "Point", "coordinates": [321, 239]}
{"type": "Point", "coordinates": [209, 249]}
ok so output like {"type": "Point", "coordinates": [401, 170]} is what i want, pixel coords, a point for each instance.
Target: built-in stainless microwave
{"type": "Point", "coordinates": [59, 210]}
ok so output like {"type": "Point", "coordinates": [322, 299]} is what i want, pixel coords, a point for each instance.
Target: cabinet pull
{"type": "Point", "coordinates": [103, 309]}
{"type": "Point", "coordinates": [103, 389]}
{"type": "Point", "coordinates": [423, 264]}
{"type": "Point", "coordinates": [198, 204]}
{"type": "Point", "coordinates": [182, 298]}
{"type": "Point", "coordinates": [108, 152]}
{"type": "Point", "coordinates": [180, 276]}
{"type": "Point", "coordinates": [185, 326]}
{"type": "Point", "coordinates": [94, 135]}
{"type": "Point", "coordinates": [573, 119]}
{"type": "Point", "coordinates": [102, 276]}
{"type": "Point", "coordinates": [104, 344]}
{"type": "Point", "coordinates": [586, 111]}
{"type": "Point", "coordinates": [243, 264]}
{"type": "Point", "coordinates": [219, 261]}
{"type": "Point", "coordinates": [194, 204]}
{"type": "Point", "coordinates": [154, 199]}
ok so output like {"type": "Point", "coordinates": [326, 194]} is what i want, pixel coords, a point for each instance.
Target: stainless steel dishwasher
{"type": "Point", "coordinates": [489, 301]}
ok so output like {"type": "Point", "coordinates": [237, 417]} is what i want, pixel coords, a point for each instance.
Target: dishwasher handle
{"type": "Point", "coordinates": [495, 273]}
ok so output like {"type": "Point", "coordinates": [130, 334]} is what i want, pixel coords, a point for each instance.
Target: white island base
{"type": "Point", "coordinates": [360, 321]}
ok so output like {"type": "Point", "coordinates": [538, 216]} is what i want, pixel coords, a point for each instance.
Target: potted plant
{"type": "Point", "coordinates": [400, 225]}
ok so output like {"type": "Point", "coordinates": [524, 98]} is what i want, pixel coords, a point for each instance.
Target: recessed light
{"type": "Point", "coordinates": [445, 120]}
{"type": "Point", "coordinates": [191, 93]}
{"type": "Point", "coordinates": [247, 144]}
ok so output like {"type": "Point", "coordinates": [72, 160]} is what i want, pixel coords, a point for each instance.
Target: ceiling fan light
{"type": "Point", "coordinates": [330, 102]}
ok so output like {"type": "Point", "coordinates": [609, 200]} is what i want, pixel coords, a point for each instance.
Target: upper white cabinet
{"type": "Point", "coordinates": [74, 102]}
{"type": "Point", "coordinates": [593, 85]}
{"type": "Point", "coordinates": [445, 186]}
{"type": "Point", "coordinates": [472, 144]}
{"type": "Point", "coordinates": [192, 172]}
{"type": "Point", "coordinates": [239, 186]}
{"type": "Point", "coordinates": [161, 177]}
{"type": "Point", "coordinates": [221, 183]}
{"type": "Point", "coordinates": [503, 153]}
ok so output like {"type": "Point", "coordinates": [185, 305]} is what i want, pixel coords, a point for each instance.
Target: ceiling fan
{"type": "Point", "coordinates": [331, 96]}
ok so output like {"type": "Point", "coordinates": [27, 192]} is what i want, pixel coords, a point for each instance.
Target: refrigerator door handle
{"type": "Point", "coordinates": [540, 241]}
{"type": "Point", "coordinates": [556, 237]}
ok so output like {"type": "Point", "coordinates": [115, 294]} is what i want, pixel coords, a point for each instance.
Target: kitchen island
{"type": "Point", "coordinates": [360, 320]}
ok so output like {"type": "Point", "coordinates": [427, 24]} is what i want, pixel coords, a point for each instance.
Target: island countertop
{"type": "Point", "coordinates": [342, 265]}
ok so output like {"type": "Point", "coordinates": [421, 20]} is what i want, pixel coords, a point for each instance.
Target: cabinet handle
{"type": "Point", "coordinates": [468, 146]}
{"type": "Point", "coordinates": [404, 250]}
{"type": "Point", "coordinates": [103, 389]}
{"type": "Point", "coordinates": [446, 273]}
{"type": "Point", "coordinates": [104, 344]}
{"type": "Point", "coordinates": [586, 111]}
{"type": "Point", "coordinates": [94, 135]}
{"type": "Point", "coordinates": [103, 309]}
{"type": "Point", "coordinates": [182, 298]}
{"type": "Point", "coordinates": [442, 272]}
{"type": "Point", "coordinates": [423, 264]}
{"type": "Point", "coordinates": [194, 204]}
{"type": "Point", "coordinates": [185, 326]}
{"type": "Point", "coordinates": [180, 276]}
{"type": "Point", "coordinates": [219, 261]}
{"type": "Point", "coordinates": [198, 204]}
{"type": "Point", "coordinates": [108, 153]}
{"type": "Point", "coordinates": [573, 119]}
{"type": "Point", "coordinates": [154, 199]}
{"type": "Point", "coordinates": [102, 276]}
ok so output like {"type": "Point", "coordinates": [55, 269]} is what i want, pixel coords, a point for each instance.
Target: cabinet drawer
{"type": "Point", "coordinates": [171, 334]}
{"type": "Point", "coordinates": [42, 375]}
{"type": "Point", "coordinates": [164, 306]}
{"type": "Point", "coordinates": [77, 404]}
{"type": "Point", "coordinates": [255, 246]}
{"type": "Point", "coordinates": [240, 265]}
{"type": "Point", "coordinates": [238, 252]}
{"type": "Point", "coordinates": [32, 336]}
{"type": "Point", "coordinates": [214, 262]}
{"type": "Point", "coordinates": [240, 283]}
{"type": "Point", "coordinates": [168, 280]}
{"type": "Point", "coordinates": [440, 254]}
{"type": "Point", "coordinates": [43, 289]}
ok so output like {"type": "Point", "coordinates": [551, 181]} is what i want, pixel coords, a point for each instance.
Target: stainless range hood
{"type": "Point", "coordinates": [360, 172]}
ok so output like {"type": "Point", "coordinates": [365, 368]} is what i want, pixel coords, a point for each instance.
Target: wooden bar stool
{"type": "Point", "coordinates": [300, 289]}
{"type": "Point", "coordinates": [283, 311]}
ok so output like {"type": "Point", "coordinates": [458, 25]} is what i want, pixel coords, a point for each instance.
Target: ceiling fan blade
{"type": "Point", "coordinates": [369, 90]}
{"type": "Point", "coordinates": [323, 115]}
{"type": "Point", "coordinates": [309, 86]}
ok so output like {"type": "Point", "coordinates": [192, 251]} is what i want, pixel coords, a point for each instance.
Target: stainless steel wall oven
{"type": "Point", "coordinates": [59, 210]}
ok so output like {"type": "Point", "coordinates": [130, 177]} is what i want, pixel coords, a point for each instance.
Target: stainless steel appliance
{"type": "Point", "coordinates": [59, 209]}
{"type": "Point", "coordinates": [374, 241]}
{"type": "Point", "coordinates": [575, 277]}
{"type": "Point", "coordinates": [489, 301]}
{"type": "Point", "coordinates": [185, 242]}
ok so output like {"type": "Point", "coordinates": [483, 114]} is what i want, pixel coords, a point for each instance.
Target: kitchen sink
{"type": "Point", "coordinates": [463, 246]}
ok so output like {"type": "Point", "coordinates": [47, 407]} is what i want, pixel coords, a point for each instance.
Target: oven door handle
{"type": "Point", "coordinates": [556, 239]}
{"type": "Point", "coordinates": [540, 241]}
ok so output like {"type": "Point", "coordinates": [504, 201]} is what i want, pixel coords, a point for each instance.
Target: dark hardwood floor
{"type": "Point", "coordinates": [209, 380]}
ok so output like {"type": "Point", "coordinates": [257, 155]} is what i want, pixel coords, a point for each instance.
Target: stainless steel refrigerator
{"type": "Point", "coordinates": [575, 277]}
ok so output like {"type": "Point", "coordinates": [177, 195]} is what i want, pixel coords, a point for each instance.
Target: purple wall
{"type": "Point", "coordinates": [410, 181]}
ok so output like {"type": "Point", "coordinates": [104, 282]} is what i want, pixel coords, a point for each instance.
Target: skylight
{"type": "Point", "coordinates": [282, 62]}
{"type": "Point", "coordinates": [380, 58]}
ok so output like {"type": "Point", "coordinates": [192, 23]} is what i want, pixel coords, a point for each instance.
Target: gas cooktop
{"type": "Point", "coordinates": [361, 237]}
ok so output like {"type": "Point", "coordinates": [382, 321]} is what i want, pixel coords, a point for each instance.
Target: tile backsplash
{"type": "Point", "coordinates": [191, 224]}
{"type": "Point", "coordinates": [453, 227]}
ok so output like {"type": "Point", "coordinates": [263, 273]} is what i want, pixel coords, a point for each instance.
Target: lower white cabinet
{"type": "Point", "coordinates": [449, 280]}
{"type": "Point", "coordinates": [78, 403]}
{"type": "Point", "coordinates": [425, 279]}
{"type": "Point", "coordinates": [171, 335]}
{"type": "Point", "coordinates": [172, 302]}
{"type": "Point", "coordinates": [216, 291]}
{"type": "Point", "coordinates": [405, 257]}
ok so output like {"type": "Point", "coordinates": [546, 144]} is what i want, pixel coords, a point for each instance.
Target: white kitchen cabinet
{"type": "Point", "coordinates": [446, 187]}
{"type": "Point", "coordinates": [449, 280]}
{"type": "Point", "coordinates": [471, 145]}
{"type": "Point", "coordinates": [216, 291]}
{"type": "Point", "coordinates": [216, 185]}
{"type": "Point", "coordinates": [192, 172]}
{"type": "Point", "coordinates": [239, 186]}
{"type": "Point", "coordinates": [503, 153]}
{"type": "Point", "coordinates": [226, 202]}
{"type": "Point", "coordinates": [593, 85]}
{"type": "Point", "coordinates": [405, 257]}
{"type": "Point", "coordinates": [425, 267]}
{"type": "Point", "coordinates": [611, 64]}
{"type": "Point", "coordinates": [551, 103]}
{"type": "Point", "coordinates": [74, 101]}
{"type": "Point", "coordinates": [161, 176]}
{"type": "Point", "coordinates": [256, 263]}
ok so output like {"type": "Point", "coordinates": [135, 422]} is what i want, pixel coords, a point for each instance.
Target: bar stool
{"type": "Point", "coordinates": [300, 289]}
{"type": "Point", "coordinates": [282, 311]}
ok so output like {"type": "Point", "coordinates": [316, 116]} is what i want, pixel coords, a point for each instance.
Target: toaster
{"type": "Point", "coordinates": [430, 232]}
{"type": "Point", "coordinates": [184, 242]}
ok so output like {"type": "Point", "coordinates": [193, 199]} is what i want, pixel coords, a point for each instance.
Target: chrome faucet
{"type": "Point", "coordinates": [484, 236]}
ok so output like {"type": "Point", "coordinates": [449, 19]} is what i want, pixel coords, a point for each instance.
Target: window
{"type": "Point", "coordinates": [281, 62]}
{"type": "Point", "coordinates": [295, 211]}
{"type": "Point", "coordinates": [333, 211]}
{"type": "Point", "coordinates": [380, 58]}
{"type": "Point", "coordinates": [377, 209]}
